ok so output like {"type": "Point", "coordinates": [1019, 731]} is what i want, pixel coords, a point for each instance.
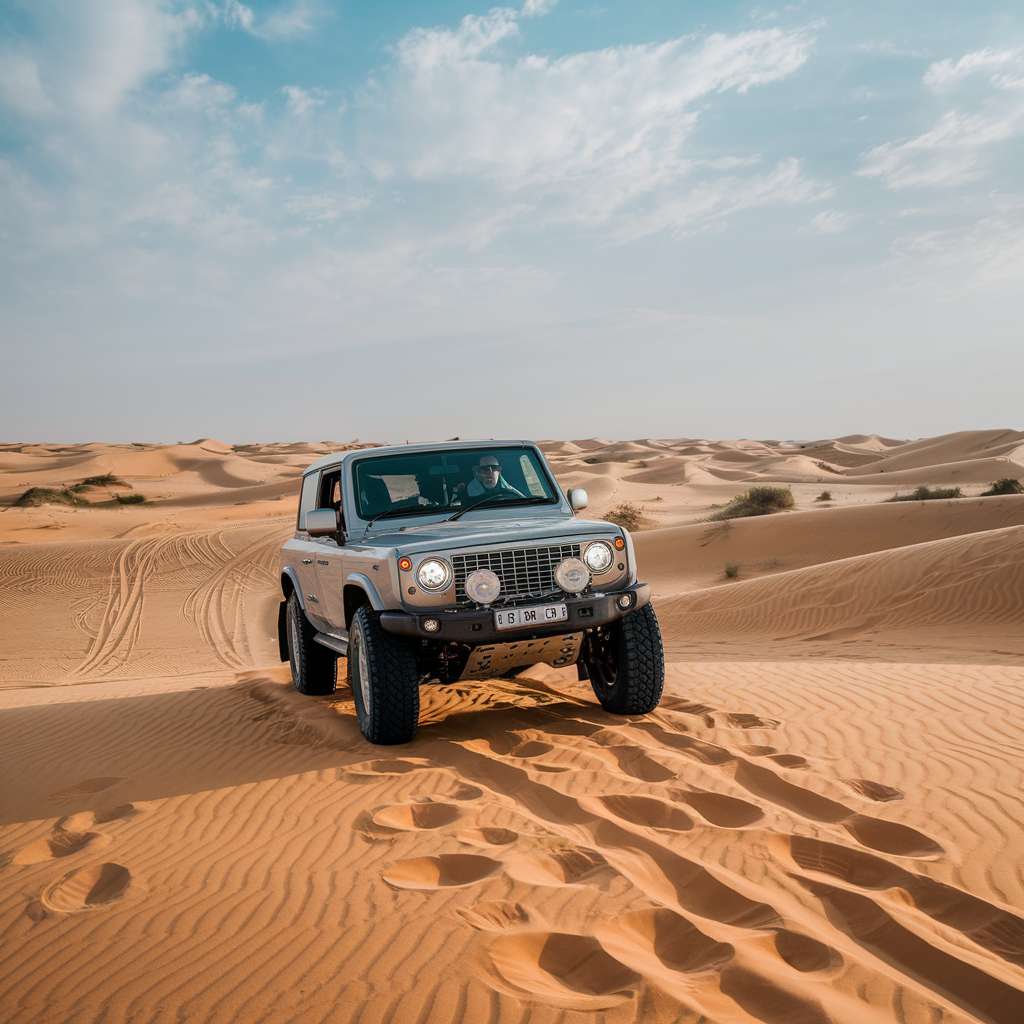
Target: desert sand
{"type": "Point", "coordinates": [822, 822]}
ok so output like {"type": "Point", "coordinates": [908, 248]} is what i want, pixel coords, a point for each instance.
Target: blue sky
{"type": "Point", "coordinates": [389, 220]}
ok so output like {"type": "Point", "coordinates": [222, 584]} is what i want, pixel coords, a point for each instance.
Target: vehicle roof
{"type": "Point", "coordinates": [337, 458]}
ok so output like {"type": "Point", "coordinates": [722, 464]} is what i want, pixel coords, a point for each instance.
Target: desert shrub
{"type": "Point", "coordinates": [35, 496]}
{"type": "Point", "coordinates": [824, 496]}
{"type": "Point", "coordinates": [758, 501]}
{"type": "Point", "coordinates": [103, 480]}
{"type": "Point", "coordinates": [625, 515]}
{"type": "Point", "coordinates": [826, 467]}
{"type": "Point", "coordinates": [130, 499]}
{"type": "Point", "coordinates": [924, 493]}
{"type": "Point", "coordinates": [732, 570]}
{"type": "Point", "coordinates": [1007, 485]}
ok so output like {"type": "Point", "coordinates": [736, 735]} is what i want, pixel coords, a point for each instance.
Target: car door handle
{"type": "Point", "coordinates": [307, 561]}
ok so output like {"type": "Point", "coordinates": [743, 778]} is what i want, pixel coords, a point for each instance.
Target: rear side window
{"type": "Point", "coordinates": [307, 499]}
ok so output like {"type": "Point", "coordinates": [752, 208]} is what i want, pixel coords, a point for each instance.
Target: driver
{"type": "Point", "coordinates": [487, 478]}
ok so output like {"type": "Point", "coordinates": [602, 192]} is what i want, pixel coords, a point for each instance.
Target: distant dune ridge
{"type": "Point", "coordinates": [821, 823]}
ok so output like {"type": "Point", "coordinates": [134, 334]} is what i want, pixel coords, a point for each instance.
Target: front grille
{"type": "Point", "coordinates": [524, 572]}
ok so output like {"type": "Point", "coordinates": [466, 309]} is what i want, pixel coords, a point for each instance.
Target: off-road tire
{"type": "Point", "coordinates": [314, 667]}
{"type": "Point", "coordinates": [626, 663]}
{"type": "Point", "coordinates": [393, 680]}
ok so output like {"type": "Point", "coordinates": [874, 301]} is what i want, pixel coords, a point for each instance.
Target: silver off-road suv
{"type": "Point", "coordinates": [464, 560]}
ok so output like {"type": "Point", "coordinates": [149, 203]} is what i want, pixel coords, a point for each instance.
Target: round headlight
{"type": "Point", "coordinates": [598, 556]}
{"type": "Point", "coordinates": [434, 574]}
{"type": "Point", "coordinates": [483, 586]}
{"type": "Point", "coordinates": [572, 575]}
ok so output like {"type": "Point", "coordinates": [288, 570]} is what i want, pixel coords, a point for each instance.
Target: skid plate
{"type": "Point", "coordinates": [492, 660]}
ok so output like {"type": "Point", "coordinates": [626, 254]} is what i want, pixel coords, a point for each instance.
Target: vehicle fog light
{"type": "Point", "coordinates": [625, 600]}
{"type": "Point", "coordinates": [434, 574]}
{"type": "Point", "coordinates": [431, 625]}
{"type": "Point", "coordinates": [483, 586]}
{"type": "Point", "coordinates": [598, 556]}
{"type": "Point", "coordinates": [572, 575]}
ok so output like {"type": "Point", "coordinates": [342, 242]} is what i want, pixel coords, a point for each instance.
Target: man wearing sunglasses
{"type": "Point", "coordinates": [487, 478]}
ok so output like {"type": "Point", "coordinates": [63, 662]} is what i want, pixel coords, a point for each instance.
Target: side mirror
{"type": "Point", "coordinates": [322, 522]}
{"type": "Point", "coordinates": [578, 498]}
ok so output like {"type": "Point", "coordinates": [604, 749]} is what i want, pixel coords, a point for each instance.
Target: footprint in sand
{"type": "Point", "coordinates": [719, 809]}
{"type": "Point", "coordinates": [85, 788]}
{"type": "Point", "coordinates": [84, 820]}
{"type": "Point", "coordinates": [488, 835]}
{"type": "Point", "coordinates": [447, 870]}
{"type": "Point", "coordinates": [994, 928]}
{"type": "Point", "coordinates": [59, 843]}
{"type": "Point", "coordinates": [416, 817]}
{"type": "Point", "coordinates": [874, 790]}
{"type": "Point", "coordinates": [876, 833]}
{"type": "Point", "coordinates": [495, 915]}
{"type": "Point", "coordinates": [661, 944]}
{"type": "Point", "coordinates": [382, 768]}
{"type": "Point", "coordinates": [647, 811]}
{"type": "Point", "coordinates": [805, 954]}
{"type": "Point", "coordinates": [87, 888]}
{"type": "Point", "coordinates": [783, 760]}
{"type": "Point", "coordinates": [561, 969]}
{"type": "Point", "coordinates": [558, 868]}
{"type": "Point", "coordinates": [746, 721]}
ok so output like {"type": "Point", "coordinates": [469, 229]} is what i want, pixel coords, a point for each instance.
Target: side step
{"type": "Point", "coordinates": [335, 643]}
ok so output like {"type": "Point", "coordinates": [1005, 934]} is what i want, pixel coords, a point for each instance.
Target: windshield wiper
{"type": "Point", "coordinates": [389, 513]}
{"type": "Point", "coordinates": [487, 498]}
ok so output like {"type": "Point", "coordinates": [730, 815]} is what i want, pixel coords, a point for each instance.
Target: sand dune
{"type": "Point", "coordinates": [821, 823]}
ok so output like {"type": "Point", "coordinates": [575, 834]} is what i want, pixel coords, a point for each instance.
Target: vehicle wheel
{"type": "Point", "coordinates": [384, 680]}
{"type": "Point", "coordinates": [314, 668]}
{"type": "Point", "coordinates": [626, 663]}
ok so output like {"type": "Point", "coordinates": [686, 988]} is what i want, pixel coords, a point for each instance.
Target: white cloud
{"type": "Point", "coordinates": [1004, 68]}
{"type": "Point", "coordinates": [985, 255]}
{"type": "Point", "coordinates": [96, 52]}
{"type": "Point", "coordinates": [959, 147]}
{"type": "Point", "coordinates": [301, 101]}
{"type": "Point", "coordinates": [831, 222]}
{"type": "Point", "coordinates": [951, 153]}
{"type": "Point", "coordinates": [537, 8]}
{"type": "Point", "coordinates": [588, 133]}
{"type": "Point", "coordinates": [201, 92]}
{"type": "Point", "coordinates": [20, 87]}
{"type": "Point", "coordinates": [712, 201]}
{"type": "Point", "coordinates": [287, 21]}
{"type": "Point", "coordinates": [425, 49]}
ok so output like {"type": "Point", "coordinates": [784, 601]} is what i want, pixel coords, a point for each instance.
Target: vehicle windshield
{"type": "Point", "coordinates": [428, 483]}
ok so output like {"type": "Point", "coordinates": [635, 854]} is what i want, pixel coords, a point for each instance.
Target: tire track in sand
{"type": "Point", "coordinates": [121, 619]}
{"type": "Point", "coordinates": [216, 606]}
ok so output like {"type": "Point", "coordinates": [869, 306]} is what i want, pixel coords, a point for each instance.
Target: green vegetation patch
{"type": "Point", "coordinates": [103, 480]}
{"type": "Point", "coordinates": [36, 496]}
{"type": "Point", "coordinates": [923, 493]}
{"type": "Point", "coordinates": [1007, 485]}
{"type": "Point", "coordinates": [758, 501]}
{"type": "Point", "coordinates": [625, 515]}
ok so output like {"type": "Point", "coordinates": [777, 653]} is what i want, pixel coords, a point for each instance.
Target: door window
{"type": "Point", "coordinates": [307, 498]}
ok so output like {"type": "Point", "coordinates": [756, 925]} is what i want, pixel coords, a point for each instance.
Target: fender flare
{"type": "Point", "coordinates": [293, 576]}
{"type": "Point", "coordinates": [361, 580]}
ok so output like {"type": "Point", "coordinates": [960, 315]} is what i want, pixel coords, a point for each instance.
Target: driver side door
{"type": "Point", "coordinates": [329, 556]}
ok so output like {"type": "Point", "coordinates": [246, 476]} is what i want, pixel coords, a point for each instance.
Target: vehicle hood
{"type": "Point", "coordinates": [529, 529]}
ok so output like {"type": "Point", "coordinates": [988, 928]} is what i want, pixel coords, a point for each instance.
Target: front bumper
{"type": "Point", "coordinates": [476, 625]}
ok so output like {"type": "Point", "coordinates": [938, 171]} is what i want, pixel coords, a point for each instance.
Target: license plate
{"type": "Point", "coordinates": [538, 615]}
